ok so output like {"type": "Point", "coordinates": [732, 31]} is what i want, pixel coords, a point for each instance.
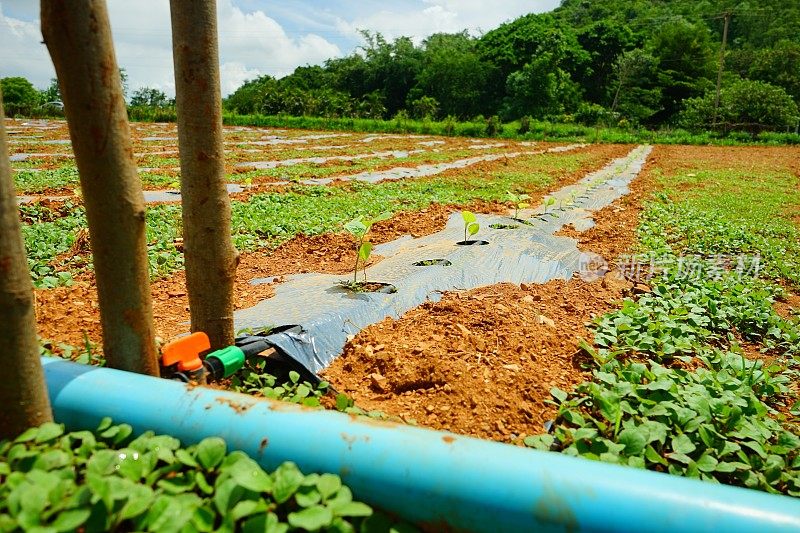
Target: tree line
{"type": "Point", "coordinates": [606, 61]}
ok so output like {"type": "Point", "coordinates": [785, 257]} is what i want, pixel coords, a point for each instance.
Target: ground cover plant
{"type": "Point", "coordinates": [34, 180]}
{"type": "Point", "coordinates": [312, 170]}
{"type": "Point", "coordinates": [109, 480]}
{"type": "Point", "coordinates": [676, 385]}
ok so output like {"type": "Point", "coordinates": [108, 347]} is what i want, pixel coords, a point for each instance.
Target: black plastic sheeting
{"type": "Point", "coordinates": [328, 313]}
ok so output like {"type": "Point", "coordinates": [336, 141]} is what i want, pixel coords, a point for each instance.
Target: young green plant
{"type": "Point", "coordinates": [471, 225]}
{"type": "Point", "coordinates": [547, 202]}
{"type": "Point", "coordinates": [358, 228]}
{"type": "Point", "coordinates": [519, 201]}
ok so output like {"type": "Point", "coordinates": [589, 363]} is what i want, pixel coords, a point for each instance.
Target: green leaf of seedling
{"type": "Point", "coordinates": [468, 216]}
{"type": "Point", "coordinates": [473, 228]}
{"type": "Point", "coordinates": [312, 518]}
{"type": "Point", "coordinates": [70, 520]}
{"type": "Point", "coordinates": [343, 402]}
{"type": "Point", "coordinates": [247, 508]}
{"type": "Point", "coordinates": [364, 251]}
{"type": "Point", "coordinates": [248, 474]}
{"type": "Point", "coordinates": [386, 215]}
{"type": "Point", "coordinates": [307, 496]}
{"type": "Point", "coordinates": [49, 431]}
{"type": "Point", "coordinates": [328, 485]}
{"type": "Point", "coordinates": [634, 439]}
{"type": "Point", "coordinates": [288, 479]}
{"type": "Point", "coordinates": [654, 457]}
{"type": "Point", "coordinates": [558, 394]}
{"type": "Point", "coordinates": [706, 463]}
{"type": "Point", "coordinates": [356, 227]}
{"type": "Point", "coordinates": [210, 452]}
{"type": "Point", "coordinates": [683, 444]}
{"type": "Point", "coordinates": [354, 509]}
{"type": "Point", "coordinates": [261, 523]}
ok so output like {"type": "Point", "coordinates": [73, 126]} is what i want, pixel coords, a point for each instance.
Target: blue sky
{"type": "Point", "coordinates": [256, 36]}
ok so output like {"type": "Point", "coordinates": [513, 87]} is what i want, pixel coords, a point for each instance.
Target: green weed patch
{"type": "Point", "coordinates": [107, 480]}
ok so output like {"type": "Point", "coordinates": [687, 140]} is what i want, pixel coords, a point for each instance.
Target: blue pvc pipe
{"type": "Point", "coordinates": [428, 477]}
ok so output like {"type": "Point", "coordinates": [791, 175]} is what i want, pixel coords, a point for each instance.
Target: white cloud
{"type": "Point", "coordinates": [434, 16]}
{"type": "Point", "coordinates": [267, 37]}
{"type": "Point", "coordinates": [251, 44]}
{"type": "Point", "coordinates": [22, 52]}
{"type": "Point", "coordinates": [234, 74]}
{"type": "Point", "coordinates": [260, 43]}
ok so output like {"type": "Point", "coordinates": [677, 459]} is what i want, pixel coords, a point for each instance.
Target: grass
{"type": "Point", "coordinates": [539, 130]}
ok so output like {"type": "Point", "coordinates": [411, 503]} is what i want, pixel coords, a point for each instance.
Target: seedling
{"type": "Point", "coordinates": [519, 201]}
{"type": "Point", "coordinates": [471, 225]}
{"type": "Point", "coordinates": [565, 203]}
{"type": "Point", "coordinates": [548, 202]}
{"type": "Point", "coordinates": [358, 228]}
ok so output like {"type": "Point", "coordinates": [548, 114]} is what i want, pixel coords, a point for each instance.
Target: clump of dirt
{"type": "Point", "coordinates": [481, 362]}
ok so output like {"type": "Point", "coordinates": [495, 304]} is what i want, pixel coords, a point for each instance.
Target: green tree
{"type": "Point", "coordinates": [745, 105]}
{"type": "Point", "coordinates": [149, 97]}
{"type": "Point", "coordinates": [604, 41]}
{"type": "Point", "coordinates": [391, 70]}
{"type": "Point", "coordinates": [454, 75]}
{"type": "Point", "coordinates": [543, 86]}
{"type": "Point", "coordinates": [249, 98]}
{"type": "Point", "coordinates": [686, 64]}
{"type": "Point", "coordinates": [779, 65]}
{"type": "Point", "coordinates": [425, 107]}
{"type": "Point", "coordinates": [636, 98]}
{"type": "Point", "coordinates": [20, 96]}
{"type": "Point", "coordinates": [52, 93]}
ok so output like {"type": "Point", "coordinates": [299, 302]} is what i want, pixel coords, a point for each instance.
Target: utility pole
{"type": "Point", "coordinates": [727, 16]}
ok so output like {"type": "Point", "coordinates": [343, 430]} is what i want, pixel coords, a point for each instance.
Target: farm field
{"type": "Point", "coordinates": [694, 308]}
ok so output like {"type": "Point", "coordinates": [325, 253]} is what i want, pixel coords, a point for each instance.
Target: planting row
{"type": "Point", "coordinates": [44, 163]}
{"type": "Point", "coordinates": [57, 249]}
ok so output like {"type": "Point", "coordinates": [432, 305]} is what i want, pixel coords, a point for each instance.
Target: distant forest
{"type": "Point", "coordinates": [639, 62]}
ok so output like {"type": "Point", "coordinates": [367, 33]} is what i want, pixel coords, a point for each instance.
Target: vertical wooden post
{"type": "Point", "coordinates": [78, 37]}
{"type": "Point", "coordinates": [211, 259]}
{"type": "Point", "coordinates": [23, 394]}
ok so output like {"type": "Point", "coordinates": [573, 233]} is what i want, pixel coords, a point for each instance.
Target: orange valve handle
{"type": "Point", "coordinates": [185, 352]}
